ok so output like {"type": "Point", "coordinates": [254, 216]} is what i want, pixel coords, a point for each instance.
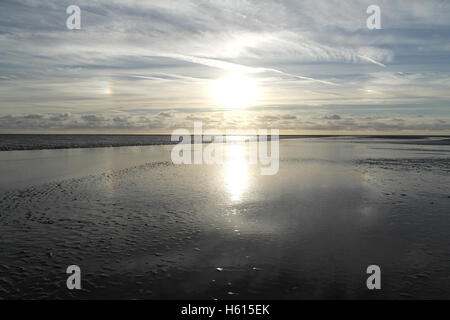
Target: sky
{"type": "Point", "coordinates": [304, 67]}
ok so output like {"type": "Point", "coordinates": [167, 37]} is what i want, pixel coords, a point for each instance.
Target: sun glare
{"type": "Point", "coordinates": [236, 171]}
{"type": "Point", "coordinates": [235, 91]}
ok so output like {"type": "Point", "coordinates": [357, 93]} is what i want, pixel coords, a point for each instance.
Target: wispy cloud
{"type": "Point", "coordinates": [228, 66]}
{"type": "Point", "coordinates": [372, 61]}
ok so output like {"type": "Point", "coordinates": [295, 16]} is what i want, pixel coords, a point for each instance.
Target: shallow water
{"type": "Point", "coordinates": [141, 227]}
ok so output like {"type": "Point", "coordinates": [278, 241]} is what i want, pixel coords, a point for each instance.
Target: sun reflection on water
{"type": "Point", "coordinates": [236, 174]}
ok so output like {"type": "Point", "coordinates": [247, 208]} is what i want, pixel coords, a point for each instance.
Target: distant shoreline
{"type": "Point", "coordinates": [19, 142]}
{"type": "Point", "coordinates": [382, 136]}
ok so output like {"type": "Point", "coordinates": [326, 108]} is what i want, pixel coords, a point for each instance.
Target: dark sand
{"type": "Point", "coordinates": [141, 227]}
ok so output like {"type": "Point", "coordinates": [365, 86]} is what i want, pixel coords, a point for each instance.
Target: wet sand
{"type": "Point", "coordinates": [141, 227]}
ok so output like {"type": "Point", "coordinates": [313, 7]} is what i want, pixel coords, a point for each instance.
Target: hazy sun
{"type": "Point", "coordinates": [235, 91]}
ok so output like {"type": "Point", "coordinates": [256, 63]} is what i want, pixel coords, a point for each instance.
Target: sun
{"type": "Point", "coordinates": [235, 91]}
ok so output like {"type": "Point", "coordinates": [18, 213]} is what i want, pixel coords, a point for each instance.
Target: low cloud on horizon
{"type": "Point", "coordinates": [164, 122]}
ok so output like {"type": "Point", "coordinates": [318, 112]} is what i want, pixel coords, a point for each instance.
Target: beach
{"type": "Point", "coordinates": [140, 227]}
